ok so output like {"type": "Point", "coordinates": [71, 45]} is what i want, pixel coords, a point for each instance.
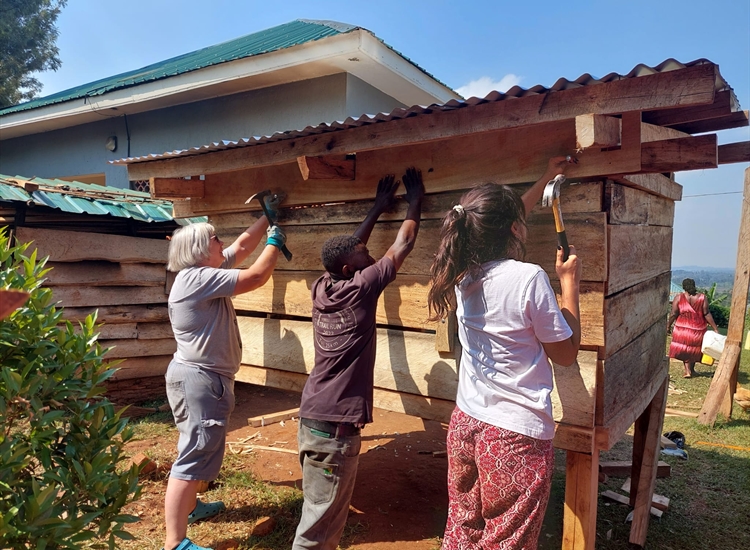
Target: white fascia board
{"type": "Point", "coordinates": [378, 66]}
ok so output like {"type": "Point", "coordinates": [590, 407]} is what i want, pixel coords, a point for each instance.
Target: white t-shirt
{"type": "Point", "coordinates": [505, 377]}
{"type": "Point", "coordinates": [203, 318]}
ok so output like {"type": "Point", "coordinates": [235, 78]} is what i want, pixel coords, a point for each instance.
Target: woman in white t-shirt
{"type": "Point", "coordinates": [500, 455]}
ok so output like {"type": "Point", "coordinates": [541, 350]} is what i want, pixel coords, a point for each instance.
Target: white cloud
{"type": "Point", "coordinates": [484, 85]}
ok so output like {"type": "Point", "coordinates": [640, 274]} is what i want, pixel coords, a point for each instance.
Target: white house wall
{"type": "Point", "coordinates": [80, 150]}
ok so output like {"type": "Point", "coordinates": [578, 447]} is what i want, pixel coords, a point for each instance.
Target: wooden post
{"type": "Point", "coordinates": [581, 486]}
{"type": "Point", "coordinates": [648, 433]}
{"type": "Point", "coordinates": [724, 383]}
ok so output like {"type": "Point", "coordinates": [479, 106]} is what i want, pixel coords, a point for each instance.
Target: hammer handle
{"type": "Point", "coordinates": [562, 240]}
{"type": "Point", "coordinates": [284, 250]}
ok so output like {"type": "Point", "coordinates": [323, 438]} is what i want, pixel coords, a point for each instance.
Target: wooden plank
{"type": "Point", "coordinates": [273, 418]}
{"type": "Point", "coordinates": [738, 119]}
{"type": "Point", "coordinates": [647, 479]}
{"type": "Point", "coordinates": [660, 502]}
{"type": "Point", "coordinates": [73, 246]}
{"type": "Point", "coordinates": [721, 106]}
{"type": "Point", "coordinates": [674, 155]}
{"type": "Point", "coordinates": [622, 468]}
{"type": "Point", "coordinates": [734, 152]}
{"type": "Point", "coordinates": [519, 156]}
{"type": "Point", "coordinates": [142, 367]}
{"type": "Point", "coordinates": [689, 86]}
{"type": "Point", "coordinates": [119, 314]}
{"type": "Point", "coordinates": [652, 132]}
{"type": "Point", "coordinates": [574, 198]}
{"type": "Point", "coordinates": [630, 206]}
{"type": "Point", "coordinates": [403, 303]}
{"type": "Point", "coordinates": [656, 184]}
{"type": "Point", "coordinates": [573, 438]}
{"type": "Point", "coordinates": [415, 405]}
{"type": "Point", "coordinates": [632, 311]}
{"type": "Point", "coordinates": [116, 332]}
{"type": "Point", "coordinates": [108, 296]}
{"type": "Point", "coordinates": [574, 392]}
{"type": "Point", "coordinates": [637, 253]}
{"type": "Point", "coordinates": [331, 167]}
{"type": "Point", "coordinates": [154, 331]}
{"type": "Point", "coordinates": [622, 499]}
{"type": "Point", "coordinates": [581, 484]}
{"type": "Point", "coordinates": [591, 300]}
{"type": "Point", "coordinates": [105, 274]}
{"type": "Point", "coordinates": [597, 131]}
{"type": "Point", "coordinates": [446, 335]}
{"type": "Point", "coordinates": [628, 372]}
{"type": "Point", "coordinates": [131, 347]}
{"type": "Point", "coordinates": [176, 188]}
{"type": "Point", "coordinates": [615, 428]}
{"type": "Point", "coordinates": [585, 231]}
{"type": "Point", "coordinates": [405, 362]}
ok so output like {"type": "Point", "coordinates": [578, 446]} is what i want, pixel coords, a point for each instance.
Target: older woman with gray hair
{"type": "Point", "coordinates": [200, 377]}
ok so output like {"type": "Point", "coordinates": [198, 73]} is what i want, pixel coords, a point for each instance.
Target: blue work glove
{"type": "Point", "coordinates": [275, 236]}
{"type": "Point", "coordinates": [272, 203]}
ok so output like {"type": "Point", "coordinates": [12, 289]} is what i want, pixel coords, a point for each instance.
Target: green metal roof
{"type": "Point", "coordinates": [85, 198]}
{"type": "Point", "coordinates": [269, 40]}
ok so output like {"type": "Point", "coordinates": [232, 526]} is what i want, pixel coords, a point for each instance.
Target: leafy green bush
{"type": "Point", "coordinates": [63, 479]}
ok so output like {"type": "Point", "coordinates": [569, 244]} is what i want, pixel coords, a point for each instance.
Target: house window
{"type": "Point", "coordinates": [140, 185]}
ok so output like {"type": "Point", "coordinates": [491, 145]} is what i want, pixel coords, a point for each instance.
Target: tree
{"type": "Point", "coordinates": [64, 477]}
{"type": "Point", "coordinates": [716, 306]}
{"type": "Point", "coordinates": [27, 45]}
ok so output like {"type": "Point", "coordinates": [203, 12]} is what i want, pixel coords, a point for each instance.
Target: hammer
{"type": "Point", "coordinates": [260, 196]}
{"type": "Point", "coordinates": [551, 197]}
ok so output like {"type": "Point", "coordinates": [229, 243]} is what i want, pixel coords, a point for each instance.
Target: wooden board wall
{"type": "Point", "coordinates": [123, 280]}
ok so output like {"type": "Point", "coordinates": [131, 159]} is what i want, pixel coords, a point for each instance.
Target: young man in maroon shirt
{"type": "Point", "coordinates": [337, 399]}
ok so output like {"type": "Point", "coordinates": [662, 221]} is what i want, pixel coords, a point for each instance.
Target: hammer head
{"type": "Point", "coordinates": [552, 190]}
{"type": "Point", "coordinates": [258, 196]}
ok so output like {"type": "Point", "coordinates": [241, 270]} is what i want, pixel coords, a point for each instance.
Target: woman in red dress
{"type": "Point", "coordinates": [690, 311]}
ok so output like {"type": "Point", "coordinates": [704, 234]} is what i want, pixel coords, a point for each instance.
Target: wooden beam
{"type": "Point", "coordinates": [176, 188]}
{"type": "Point", "coordinates": [581, 484]}
{"type": "Point", "coordinates": [132, 347]}
{"type": "Point", "coordinates": [723, 384]}
{"type": "Point", "coordinates": [142, 367]}
{"type": "Point", "coordinates": [76, 246]}
{"type": "Point", "coordinates": [331, 167]}
{"type": "Point", "coordinates": [652, 132]}
{"type": "Point", "coordinates": [597, 131]}
{"type": "Point", "coordinates": [738, 119]}
{"type": "Point", "coordinates": [656, 184]}
{"type": "Point", "coordinates": [273, 418]}
{"type": "Point", "coordinates": [675, 155]}
{"type": "Point", "coordinates": [629, 206]}
{"type": "Point", "coordinates": [734, 152]}
{"type": "Point", "coordinates": [644, 480]}
{"type": "Point", "coordinates": [108, 296]}
{"type": "Point", "coordinates": [119, 313]}
{"type": "Point", "coordinates": [690, 86]}
{"type": "Point", "coordinates": [446, 333]}
{"type": "Point", "coordinates": [623, 468]}
{"type": "Point", "coordinates": [722, 105]}
{"type": "Point", "coordinates": [87, 273]}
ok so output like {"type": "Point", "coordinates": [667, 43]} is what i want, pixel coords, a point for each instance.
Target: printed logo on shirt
{"type": "Point", "coordinates": [334, 330]}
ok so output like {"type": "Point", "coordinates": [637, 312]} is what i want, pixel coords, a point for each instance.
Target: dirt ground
{"type": "Point", "coordinates": [400, 499]}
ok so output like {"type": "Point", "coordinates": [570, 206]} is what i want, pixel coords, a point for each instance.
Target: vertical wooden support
{"type": "Point", "coordinates": [724, 382]}
{"type": "Point", "coordinates": [581, 487]}
{"type": "Point", "coordinates": [646, 453]}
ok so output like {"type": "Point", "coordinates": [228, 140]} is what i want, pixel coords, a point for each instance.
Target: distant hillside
{"type": "Point", "coordinates": [704, 277]}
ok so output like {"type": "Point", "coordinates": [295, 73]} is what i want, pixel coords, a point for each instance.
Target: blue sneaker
{"type": "Point", "coordinates": [204, 510]}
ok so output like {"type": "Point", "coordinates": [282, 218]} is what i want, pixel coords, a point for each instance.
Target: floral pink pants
{"type": "Point", "coordinates": [498, 486]}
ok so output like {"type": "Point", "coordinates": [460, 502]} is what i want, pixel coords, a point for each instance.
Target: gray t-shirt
{"type": "Point", "coordinates": [203, 318]}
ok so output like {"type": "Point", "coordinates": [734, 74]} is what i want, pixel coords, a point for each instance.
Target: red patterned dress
{"type": "Point", "coordinates": [689, 328]}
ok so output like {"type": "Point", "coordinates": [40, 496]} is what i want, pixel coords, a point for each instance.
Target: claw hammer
{"type": "Point", "coordinates": [551, 198]}
{"type": "Point", "coordinates": [260, 196]}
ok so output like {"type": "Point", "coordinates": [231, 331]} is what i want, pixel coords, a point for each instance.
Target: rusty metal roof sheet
{"type": "Point", "coordinates": [84, 198]}
{"type": "Point", "coordinates": [514, 92]}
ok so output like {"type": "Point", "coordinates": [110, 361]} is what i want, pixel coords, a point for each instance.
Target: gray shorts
{"type": "Point", "coordinates": [201, 403]}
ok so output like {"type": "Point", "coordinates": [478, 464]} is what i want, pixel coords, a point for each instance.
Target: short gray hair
{"type": "Point", "coordinates": [190, 245]}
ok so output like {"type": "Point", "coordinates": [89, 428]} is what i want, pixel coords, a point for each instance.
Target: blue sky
{"type": "Point", "coordinates": [500, 43]}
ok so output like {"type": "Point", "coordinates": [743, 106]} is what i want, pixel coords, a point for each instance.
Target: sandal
{"type": "Point", "coordinates": [187, 544]}
{"type": "Point", "coordinates": [205, 510]}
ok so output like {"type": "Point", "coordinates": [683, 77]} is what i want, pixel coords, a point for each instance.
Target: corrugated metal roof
{"type": "Point", "coordinates": [274, 39]}
{"type": "Point", "coordinates": [84, 198]}
{"type": "Point", "coordinates": [514, 92]}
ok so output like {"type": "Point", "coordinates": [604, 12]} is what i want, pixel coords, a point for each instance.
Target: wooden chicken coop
{"type": "Point", "coordinates": [629, 132]}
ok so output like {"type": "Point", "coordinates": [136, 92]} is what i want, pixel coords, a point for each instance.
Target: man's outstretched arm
{"type": "Point", "coordinates": [383, 200]}
{"type": "Point", "coordinates": [407, 234]}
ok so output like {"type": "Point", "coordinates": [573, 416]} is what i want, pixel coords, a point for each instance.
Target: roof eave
{"type": "Point", "coordinates": [357, 52]}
